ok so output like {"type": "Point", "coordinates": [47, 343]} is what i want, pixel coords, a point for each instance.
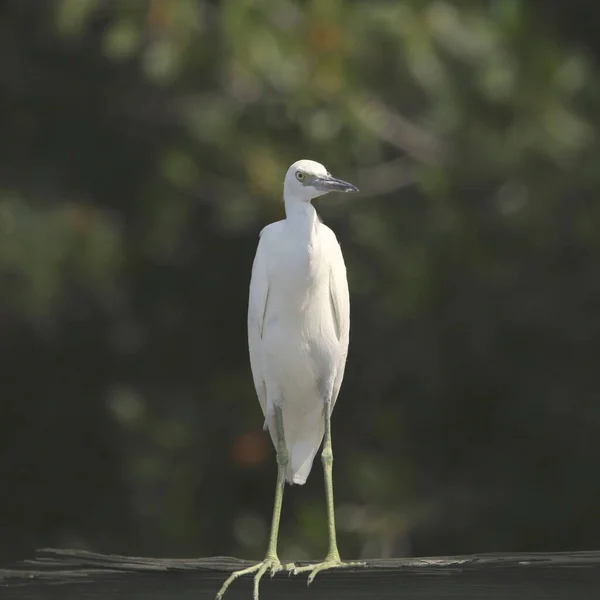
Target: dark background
{"type": "Point", "coordinates": [143, 145]}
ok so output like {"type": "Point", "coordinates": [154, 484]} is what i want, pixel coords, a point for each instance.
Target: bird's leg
{"type": "Point", "coordinates": [332, 560]}
{"type": "Point", "coordinates": [271, 562]}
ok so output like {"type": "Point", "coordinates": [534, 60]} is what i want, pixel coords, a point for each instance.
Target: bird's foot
{"type": "Point", "coordinates": [330, 562]}
{"type": "Point", "coordinates": [271, 563]}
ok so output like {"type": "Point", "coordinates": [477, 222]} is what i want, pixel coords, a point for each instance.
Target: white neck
{"type": "Point", "coordinates": [301, 214]}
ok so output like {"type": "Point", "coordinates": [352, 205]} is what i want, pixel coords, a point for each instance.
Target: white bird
{"type": "Point", "coordinates": [298, 331]}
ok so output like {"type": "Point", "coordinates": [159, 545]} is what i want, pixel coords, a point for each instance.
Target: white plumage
{"type": "Point", "coordinates": [298, 328]}
{"type": "Point", "coordinates": [299, 317]}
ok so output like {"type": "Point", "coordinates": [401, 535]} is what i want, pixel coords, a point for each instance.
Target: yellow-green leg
{"type": "Point", "coordinates": [332, 560]}
{"type": "Point", "coordinates": [271, 562]}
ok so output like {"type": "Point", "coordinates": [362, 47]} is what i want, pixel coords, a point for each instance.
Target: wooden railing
{"type": "Point", "coordinates": [77, 575]}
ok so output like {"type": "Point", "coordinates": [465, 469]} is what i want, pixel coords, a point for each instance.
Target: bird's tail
{"type": "Point", "coordinates": [303, 435]}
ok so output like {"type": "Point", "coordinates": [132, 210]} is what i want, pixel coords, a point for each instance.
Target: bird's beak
{"type": "Point", "coordinates": [331, 184]}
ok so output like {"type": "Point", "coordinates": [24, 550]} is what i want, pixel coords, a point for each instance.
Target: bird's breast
{"type": "Point", "coordinates": [299, 308]}
{"type": "Point", "coordinates": [299, 280]}
{"type": "Point", "coordinates": [299, 344]}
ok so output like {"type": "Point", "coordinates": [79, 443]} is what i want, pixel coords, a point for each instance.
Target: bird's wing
{"type": "Point", "coordinates": [257, 307]}
{"type": "Point", "coordinates": [339, 298]}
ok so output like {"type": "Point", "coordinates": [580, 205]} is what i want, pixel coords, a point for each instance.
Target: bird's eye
{"type": "Point", "coordinates": [299, 175]}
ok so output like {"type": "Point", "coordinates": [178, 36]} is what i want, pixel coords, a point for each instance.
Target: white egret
{"type": "Point", "coordinates": [298, 330]}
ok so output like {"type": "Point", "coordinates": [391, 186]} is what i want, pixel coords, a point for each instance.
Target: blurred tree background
{"type": "Point", "coordinates": [143, 145]}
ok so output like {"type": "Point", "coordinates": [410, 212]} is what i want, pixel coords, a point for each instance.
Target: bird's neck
{"type": "Point", "coordinates": [302, 215]}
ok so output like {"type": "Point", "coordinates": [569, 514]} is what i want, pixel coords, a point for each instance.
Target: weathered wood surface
{"type": "Point", "coordinates": [64, 574]}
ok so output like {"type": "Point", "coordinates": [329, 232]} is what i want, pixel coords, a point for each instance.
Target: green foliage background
{"type": "Point", "coordinates": [142, 148]}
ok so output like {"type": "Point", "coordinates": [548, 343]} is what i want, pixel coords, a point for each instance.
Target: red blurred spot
{"type": "Point", "coordinates": [159, 14]}
{"type": "Point", "coordinates": [324, 37]}
{"type": "Point", "coordinates": [80, 218]}
{"type": "Point", "coordinates": [250, 449]}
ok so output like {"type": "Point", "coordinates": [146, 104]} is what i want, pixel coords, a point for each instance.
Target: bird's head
{"type": "Point", "coordinates": [307, 179]}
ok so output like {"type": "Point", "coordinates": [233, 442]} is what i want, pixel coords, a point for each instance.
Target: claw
{"type": "Point", "coordinates": [333, 563]}
{"type": "Point", "coordinates": [269, 564]}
